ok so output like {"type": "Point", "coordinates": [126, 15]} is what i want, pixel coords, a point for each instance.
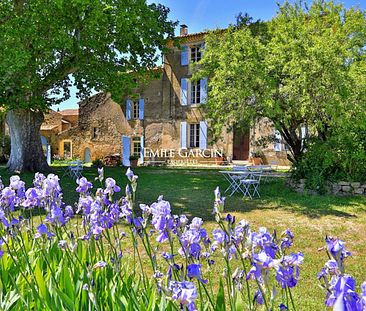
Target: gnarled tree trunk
{"type": "Point", "coordinates": [26, 149]}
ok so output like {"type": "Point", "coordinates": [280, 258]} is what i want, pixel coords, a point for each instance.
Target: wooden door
{"type": "Point", "coordinates": [241, 144]}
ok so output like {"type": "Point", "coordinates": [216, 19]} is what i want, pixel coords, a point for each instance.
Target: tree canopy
{"type": "Point", "coordinates": [306, 67]}
{"type": "Point", "coordinates": [48, 46]}
{"type": "Point", "coordinates": [43, 43]}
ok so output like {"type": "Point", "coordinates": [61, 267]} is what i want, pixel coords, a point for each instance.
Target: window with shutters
{"type": "Point", "coordinates": [196, 53]}
{"type": "Point", "coordinates": [194, 135]}
{"type": "Point", "coordinates": [135, 109]}
{"type": "Point", "coordinates": [136, 145]}
{"type": "Point", "coordinates": [195, 92]}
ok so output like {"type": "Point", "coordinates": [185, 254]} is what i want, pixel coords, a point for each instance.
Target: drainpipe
{"type": "Point", "coordinates": [170, 87]}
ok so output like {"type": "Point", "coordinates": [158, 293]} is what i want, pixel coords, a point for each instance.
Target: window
{"type": "Point", "coordinates": [135, 110]}
{"type": "Point", "coordinates": [194, 135]}
{"type": "Point", "coordinates": [95, 132]}
{"type": "Point", "coordinates": [67, 150]}
{"type": "Point", "coordinates": [136, 145]}
{"type": "Point", "coordinates": [196, 54]}
{"type": "Point", "coordinates": [196, 92]}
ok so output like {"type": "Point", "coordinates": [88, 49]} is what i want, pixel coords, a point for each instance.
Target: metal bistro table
{"type": "Point", "coordinates": [234, 178]}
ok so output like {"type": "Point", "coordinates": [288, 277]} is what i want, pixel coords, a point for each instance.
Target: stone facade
{"type": "Point", "coordinates": [168, 115]}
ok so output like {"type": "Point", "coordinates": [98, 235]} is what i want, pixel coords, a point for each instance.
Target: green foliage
{"type": "Point", "coordinates": [47, 46]}
{"type": "Point", "coordinates": [134, 157]}
{"type": "Point", "coordinates": [97, 162]}
{"type": "Point", "coordinates": [342, 157]}
{"type": "Point", "coordinates": [306, 68]}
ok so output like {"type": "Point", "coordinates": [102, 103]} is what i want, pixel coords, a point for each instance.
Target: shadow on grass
{"type": "Point", "coordinates": [190, 191]}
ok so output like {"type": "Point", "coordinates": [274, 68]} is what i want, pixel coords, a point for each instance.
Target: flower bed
{"type": "Point", "coordinates": [107, 253]}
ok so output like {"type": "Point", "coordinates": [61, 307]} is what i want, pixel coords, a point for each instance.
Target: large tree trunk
{"type": "Point", "coordinates": [26, 148]}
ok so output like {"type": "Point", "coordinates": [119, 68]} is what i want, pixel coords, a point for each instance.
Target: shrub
{"type": "Point", "coordinates": [341, 157]}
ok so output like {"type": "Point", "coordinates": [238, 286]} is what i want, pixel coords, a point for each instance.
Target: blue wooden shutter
{"type": "Point", "coordinates": [184, 56]}
{"type": "Point", "coordinates": [183, 135]}
{"type": "Point", "coordinates": [202, 48]}
{"type": "Point", "coordinates": [184, 92]}
{"type": "Point", "coordinates": [141, 108]}
{"type": "Point", "coordinates": [126, 150]}
{"type": "Point", "coordinates": [128, 109]}
{"type": "Point", "coordinates": [278, 143]}
{"type": "Point", "coordinates": [203, 90]}
{"type": "Point", "coordinates": [203, 135]}
{"type": "Point", "coordinates": [49, 154]}
{"type": "Point", "coordinates": [142, 150]}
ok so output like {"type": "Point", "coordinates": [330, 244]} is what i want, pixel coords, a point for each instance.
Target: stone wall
{"type": "Point", "coordinates": [100, 128]}
{"type": "Point", "coordinates": [340, 188]}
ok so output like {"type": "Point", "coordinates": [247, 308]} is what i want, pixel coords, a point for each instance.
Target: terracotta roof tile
{"type": "Point", "coordinates": [69, 112]}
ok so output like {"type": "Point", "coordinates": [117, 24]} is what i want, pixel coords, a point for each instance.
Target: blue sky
{"type": "Point", "coordinates": [201, 15]}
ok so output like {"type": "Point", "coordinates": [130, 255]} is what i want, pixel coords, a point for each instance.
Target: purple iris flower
{"type": "Point", "coordinates": [62, 244]}
{"type": "Point", "coordinates": [194, 271]}
{"type": "Point", "coordinates": [196, 223]}
{"type": "Point", "coordinates": [183, 220]}
{"type": "Point", "coordinates": [100, 174]}
{"type": "Point", "coordinates": [230, 219]}
{"type": "Point", "coordinates": [219, 236]}
{"type": "Point", "coordinates": [111, 186]}
{"type": "Point", "coordinates": [100, 264]}
{"type": "Point", "coordinates": [258, 298]}
{"type": "Point", "coordinates": [32, 198]}
{"type": "Point", "coordinates": [168, 256]}
{"type": "Point", "coordinates": [287, 239]}
{"type": "Point", "coordinates": [16, 183]}
{"type": "Point", "coordinates": [184, 293]}
{"type": "Point", "coordinates": [84, 185]}
{"type": "Point", "coordinates": [8, 198]}
{"type": "Point", "coordinates": [38, 180]}
{"type": "Point", "coordinates": [287, 276]}
{"type": "Point", "coordinates": [263, 241]}
{"type": "Point", "coordinates": [283, 307]}
{"type": "Point", "coordinates": [219, 202]}
{"type": "Point", "coordinates": [195, 250]}
{"type": "Point", "coordinates": [343, 295]}
{"type": "Point", "coordinates": [131, 176]}
{"type": "Point", "coordinates": [43, 230]}
{"type": "Point", "coordinates": [337, 250]}
{"type": "Point", "coordinates": [362, 301]}
{"type": "Point", "coordinates": [294, 259]}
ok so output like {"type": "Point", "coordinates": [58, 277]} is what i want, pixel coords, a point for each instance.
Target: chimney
{"type": "Point", "coordinates": [183, 30]}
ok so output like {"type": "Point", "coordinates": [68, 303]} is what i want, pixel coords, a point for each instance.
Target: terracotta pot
{"type": "Point", "coordinates": [256, 161]}
{"type": "Point", "coordinates": [219, 160]}
{"type": "Point", "coordinates": [133, 163]}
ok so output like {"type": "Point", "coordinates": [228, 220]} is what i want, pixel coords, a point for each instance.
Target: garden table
{"type": "Point", "coordinates": [234, 178]}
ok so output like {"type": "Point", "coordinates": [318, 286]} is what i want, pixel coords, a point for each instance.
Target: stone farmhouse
{"type": "Point", "coordinates": [165, 124]}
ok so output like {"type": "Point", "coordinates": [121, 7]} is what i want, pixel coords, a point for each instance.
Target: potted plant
{"type": "Point", "coordinates": [133, 160]}
{"type": "Point", "coordinates": [257, 157]}
{"type": "Point", "coordinates": [219, 160]}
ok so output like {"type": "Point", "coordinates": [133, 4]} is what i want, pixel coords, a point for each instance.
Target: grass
{"type": "Point", "coordinates": [190, 191]}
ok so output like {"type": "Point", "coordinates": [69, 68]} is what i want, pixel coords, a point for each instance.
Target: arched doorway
{"type": "Point", "coordinates": [87, 155]}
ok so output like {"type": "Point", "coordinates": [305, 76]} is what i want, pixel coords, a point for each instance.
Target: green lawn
{"type": "Point", "coordinates": [190, 191]}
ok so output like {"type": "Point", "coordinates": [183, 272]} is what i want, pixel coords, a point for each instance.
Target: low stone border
{"type": "Point", "coordinates": [339, 188]}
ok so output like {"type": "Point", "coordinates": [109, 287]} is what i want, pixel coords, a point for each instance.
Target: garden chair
{"type": "Point", "coordinates": [250, 186]}
{"type": "Point", "coordinates": [75, 169]}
